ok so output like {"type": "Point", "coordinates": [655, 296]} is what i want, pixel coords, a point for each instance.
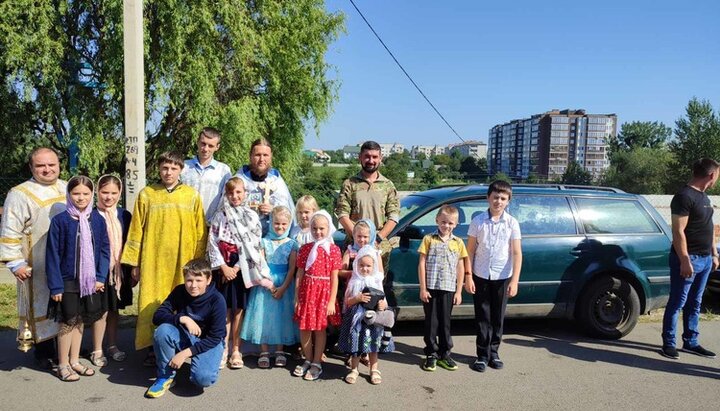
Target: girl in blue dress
{"type": "Point", "coordinates": [269, 317]}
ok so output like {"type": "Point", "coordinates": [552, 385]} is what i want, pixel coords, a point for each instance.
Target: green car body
{"type": "Point", "coordinates": [597, 255]}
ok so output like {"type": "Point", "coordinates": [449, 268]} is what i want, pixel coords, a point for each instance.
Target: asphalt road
{"type": "Point", "coordinates": [548, 366]}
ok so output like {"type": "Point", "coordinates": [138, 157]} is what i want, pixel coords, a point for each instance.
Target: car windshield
{"type": "Point", "coordinates": [410, 203]}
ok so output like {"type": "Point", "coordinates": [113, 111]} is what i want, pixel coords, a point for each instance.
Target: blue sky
{"type": "Point", "coordinates": [483, 63]}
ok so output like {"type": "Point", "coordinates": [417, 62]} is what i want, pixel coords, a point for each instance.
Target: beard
{"type": "Point", "coordinates": [369, 168]}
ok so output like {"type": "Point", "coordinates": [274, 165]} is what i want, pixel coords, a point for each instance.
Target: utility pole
{"type": "Point", "coordinates": [134, 69]}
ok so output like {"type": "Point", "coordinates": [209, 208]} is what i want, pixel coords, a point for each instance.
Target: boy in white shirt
{"type": "Point", "coordinates": [496, 258]}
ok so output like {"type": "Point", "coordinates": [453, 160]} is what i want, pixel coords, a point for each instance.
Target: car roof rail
{"type": "Point", "coordinates": [450, 185]}
{"type": "Point", "coordinates": [570, 187]}
{"type": "Point", "coordinates": [528, 185]}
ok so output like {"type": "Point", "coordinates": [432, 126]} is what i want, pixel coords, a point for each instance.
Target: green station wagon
{"type": "Point", "coordinates": [596, 255]}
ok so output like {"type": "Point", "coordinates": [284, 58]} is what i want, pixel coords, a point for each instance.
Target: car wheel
{"type": "Point", "coordinates": [608, 307]}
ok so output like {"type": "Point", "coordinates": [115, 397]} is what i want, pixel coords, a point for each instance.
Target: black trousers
{"type": "Point", "coordinates": [438, 340]}
{"type": "Point", "coordinates": [490, 300]}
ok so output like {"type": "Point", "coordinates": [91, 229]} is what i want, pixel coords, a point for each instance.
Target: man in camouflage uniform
{"type": "Point", "coordinates": [368, 195]}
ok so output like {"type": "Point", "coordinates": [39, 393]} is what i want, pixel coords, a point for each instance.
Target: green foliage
{"type": "Point", "coordinates": [501, 176]}
{"type": "Point", "coordinates": [336, 156]}
{"type": "Point", "coordinates": [697, 135]}
{"type": "Point", "coordinates": [395, 168]}
{"type": "Point", "coordinates": [473, 169]}
{"type": "Point", "coordinates": [323, 183]}
{"type": "Point", "coordinates": [252, 69]}
{"type": "Point", "coordinates": [430, 177]}
{"type": "Point", "coordinates": [642, 170]}
{"type": "Point", "coordinates": [576, 174]}
{"type": "Point", "coordinates": [637, 134]}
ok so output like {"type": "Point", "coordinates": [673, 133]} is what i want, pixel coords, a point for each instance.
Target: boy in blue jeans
{"type": "Point", "coordinates": [496, 258]}
{"type": "Point", "coordinates": [191, 324]}
{"type": "Point", "coordinates": [440, 274]}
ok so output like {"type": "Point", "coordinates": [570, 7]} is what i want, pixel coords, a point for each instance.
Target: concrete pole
{"type": "Point", "coordinates": [133, 60]}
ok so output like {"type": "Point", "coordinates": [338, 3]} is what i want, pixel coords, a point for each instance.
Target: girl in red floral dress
{"type": "Point", "coordinates": [317, 282]}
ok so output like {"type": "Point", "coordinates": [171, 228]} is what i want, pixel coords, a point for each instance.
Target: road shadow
{"type": "Point", "coordinates": [565, 345]}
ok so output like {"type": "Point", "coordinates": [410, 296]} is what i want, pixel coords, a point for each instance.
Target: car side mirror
{"type": "Point", "coordinates": [411, 232]}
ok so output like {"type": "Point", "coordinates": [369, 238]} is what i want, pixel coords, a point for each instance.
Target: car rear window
{"type": "Point", "coordinates": [543, 215]}
{"type": "Point", "coordinates": [614, 216]}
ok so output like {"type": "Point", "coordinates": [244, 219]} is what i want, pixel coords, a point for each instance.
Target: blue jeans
{"type": "Point", "coordinates": [685, 294]}
{"type": "Point", "coordinates": [169, 340]}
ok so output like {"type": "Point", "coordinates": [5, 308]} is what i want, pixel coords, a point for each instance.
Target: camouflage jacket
{"type": "Point", "coordinates": [377, 201]}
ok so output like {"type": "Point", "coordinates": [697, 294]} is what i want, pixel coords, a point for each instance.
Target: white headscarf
{"type": "Point", "coordinates": [325, 243]}
{"type": "Point", "coordinates": [358, 282]}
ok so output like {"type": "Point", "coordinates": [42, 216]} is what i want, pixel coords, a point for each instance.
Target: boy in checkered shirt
{"type": "Point", "coordinates": [440, 272]}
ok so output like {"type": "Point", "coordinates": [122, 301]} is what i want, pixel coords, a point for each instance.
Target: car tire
{"type": "Point", "coordinates": [608, 307]}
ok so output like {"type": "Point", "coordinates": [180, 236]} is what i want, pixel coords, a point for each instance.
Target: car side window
{"type": "Point", "coordinates": [614, 216]}
{"type": "Point", "coordinates": [467, 211]}
{"type": "Point", "coordinates": [543, 215]}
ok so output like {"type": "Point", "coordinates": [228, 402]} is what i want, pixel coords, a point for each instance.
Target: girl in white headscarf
{"type": "Point", "coordinates": [317, 277]}
{"type": "Point", "coordinates": [357, 337]}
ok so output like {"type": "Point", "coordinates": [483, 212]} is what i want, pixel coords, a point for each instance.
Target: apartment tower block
{"type": "Point", "coordinates": [544, 144]}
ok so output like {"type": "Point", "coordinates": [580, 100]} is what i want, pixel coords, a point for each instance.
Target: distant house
{"type": "Point", "coordinates": [317, 155]}
{"type": "Point", "coordinates": [471, 148]}
{"type": "Point", "coordinates": [429, 151]}
{"type": "Point", "coordinates": [394, 148]}
{"type": "Point", "coordinates": [351, 152]}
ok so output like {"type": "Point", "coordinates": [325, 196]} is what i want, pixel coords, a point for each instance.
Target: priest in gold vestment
{"type": "Point", "coordinates": [26, 218]}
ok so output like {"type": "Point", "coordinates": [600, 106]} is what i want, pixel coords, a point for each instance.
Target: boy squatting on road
{"type": "Point", "coordinates": [191, 324]}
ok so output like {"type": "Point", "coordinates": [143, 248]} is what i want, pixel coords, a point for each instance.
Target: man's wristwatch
{"type": "Point", "coordinates": [378, 239]}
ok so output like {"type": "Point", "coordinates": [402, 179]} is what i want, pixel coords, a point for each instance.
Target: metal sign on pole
{"type": "Point", "coordinates": [133, 61]}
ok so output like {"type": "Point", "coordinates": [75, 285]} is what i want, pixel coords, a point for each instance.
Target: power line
{"type": "Point", "coordinates": [404, 71]}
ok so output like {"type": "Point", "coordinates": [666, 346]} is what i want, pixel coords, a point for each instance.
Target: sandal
{"type": "Point", "coordinates": [280, 359]}
{"type": "Point", "coordinates": [66, 374]}
{"type": "Point", "coordinates": [236, 361]}
{"type": "Point", "coordinates": [150, 359]}
{"type": "Point", "coordinates": [116, 354]}
{"type": "Point", "coordinates": [352, 376]}
{"type": "Point", "coordinates": [313, 375]}
{"type": "Point", "coordinates": [82, 370]}
{"type": "Point", "coordinates": [300, 370]}
{"type": "Point", "coordinates": [264, 360]}
{"type": "Point", "coordinates": [98, 359]}
{"type": "Point", "coordinates": [375, 377]}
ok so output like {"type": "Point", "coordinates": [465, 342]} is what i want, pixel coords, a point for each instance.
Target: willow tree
{"type": "Point", "coordinates": [250, 68]}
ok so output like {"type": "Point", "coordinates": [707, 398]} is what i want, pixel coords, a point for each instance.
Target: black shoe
{"type": "Point", "coordinates": [448, 364]}
{"type": "Point", "coordinates": [670, 352]}
{"type": "Point", "coordinates": [478, 366]}
{"type": "Point", "coordinates": [430, 363]}
{"type": "Point", "coordinates": [496, 364]}
{"type": "Point", "coordinates": [698, 350]}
